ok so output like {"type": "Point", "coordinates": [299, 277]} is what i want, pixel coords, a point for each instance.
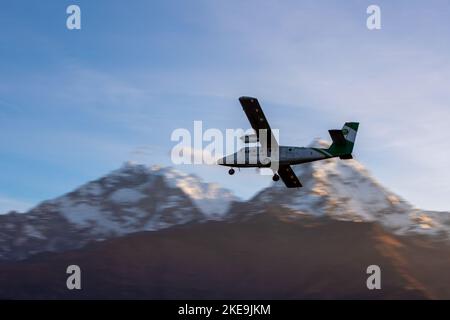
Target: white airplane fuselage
{"type": "Point", "coordinates": [249, 157]}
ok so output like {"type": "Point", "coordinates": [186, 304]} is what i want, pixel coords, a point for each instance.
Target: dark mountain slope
{"type": "Point", "coordinates": [270, 255]}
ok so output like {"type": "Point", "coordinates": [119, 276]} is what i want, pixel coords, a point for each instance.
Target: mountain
{"type": "Point", "coordinates": [251, 256]}
{"type": "Point", "coordinates": [138, 198]}
{"type": "Point", "coordinates": [345, 190]}
{"type": "Point", "coordinates": [131, 199]}
{"type": "Point", "coordinates": [151, 232]}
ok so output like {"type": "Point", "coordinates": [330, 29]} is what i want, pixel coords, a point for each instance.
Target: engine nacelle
{"type": "Point", "coordinates": [250, 138]}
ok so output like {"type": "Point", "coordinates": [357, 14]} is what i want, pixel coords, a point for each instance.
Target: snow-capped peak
{"type": "Point", "coordinates": [212, 200]}
{"type": "Point", "coordinates": [345, 190]}
{"type": "Point", "coordinates": [138, 198]}
{"type": "Point", "coordinates": [130, 199]}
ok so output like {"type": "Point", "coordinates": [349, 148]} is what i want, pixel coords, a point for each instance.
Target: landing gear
{"type": "Point", "coordinates": [231, 172]}
{"type": "Point", "coordinates": [275, 177]}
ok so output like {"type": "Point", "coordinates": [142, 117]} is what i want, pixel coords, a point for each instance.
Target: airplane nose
{"type": "Point", "coordinates": [220, 161]}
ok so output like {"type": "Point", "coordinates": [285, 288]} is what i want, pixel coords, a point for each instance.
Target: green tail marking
{"type": "Point", "coordinates": [343, 147]}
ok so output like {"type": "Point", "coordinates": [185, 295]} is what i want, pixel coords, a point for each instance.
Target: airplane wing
{"type": "Point", "coordinates": [288, 176]}
{"type": "Point", "coordinates": [258, 121]}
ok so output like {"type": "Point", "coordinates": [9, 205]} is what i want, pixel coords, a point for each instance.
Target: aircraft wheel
{"type": "Point", "coordinates": [231, 172]}
{"type": "Point", "coordinates": [275, 177]}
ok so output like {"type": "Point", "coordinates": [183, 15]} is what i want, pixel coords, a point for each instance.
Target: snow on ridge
{"type": "Point", "coordinates": [121, 202]}
{"type": "Point", "coordinates": [126, 195]}
{"type": "Point", "coordinates": [213, 200]}
{"type": "Point", "coordinates": [80, 214]}
{"type": "Point", "coordinates": [91, 189]}
{"type": "Point", "coordinates": [209, 198]}
{"type": "Point", "coordinates": [33, 232]}
{"type": "Point", "coordinates": [341, 189]}
{"type": "Point", "coordinates": [129, 184]}
{"type": "Point", "coordinates": [345, 190]}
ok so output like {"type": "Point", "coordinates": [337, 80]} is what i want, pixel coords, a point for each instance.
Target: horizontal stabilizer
{"type": "Point", "coordinates": [346, 157]}
{"type": "Point", "coordinates": [337, 136]}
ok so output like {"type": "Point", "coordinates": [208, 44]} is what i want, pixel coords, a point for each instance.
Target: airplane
{"type": "Point", "coordinates": [280, 158]}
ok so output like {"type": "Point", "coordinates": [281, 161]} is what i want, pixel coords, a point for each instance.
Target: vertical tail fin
{"type": "Point", "coordinates": [344, 140]}
{"type": "Point", "coordinates": [349, 131]}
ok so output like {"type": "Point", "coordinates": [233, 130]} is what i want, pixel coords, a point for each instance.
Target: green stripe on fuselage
{"type": "Point", "coordinates": [325, 153]}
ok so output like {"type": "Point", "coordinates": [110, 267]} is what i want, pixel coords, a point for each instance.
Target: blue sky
{"type": "Point", "coordinates": [77, 104]}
